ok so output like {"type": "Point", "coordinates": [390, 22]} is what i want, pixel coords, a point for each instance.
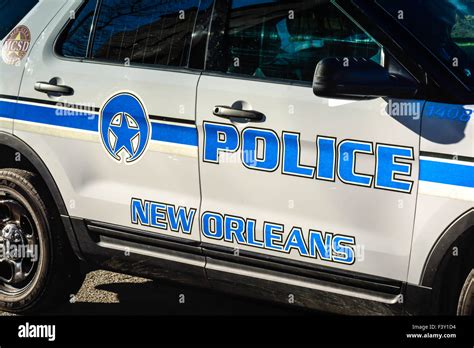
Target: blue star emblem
{"type": "Point", "coordinates": [124, 127]}
{"type": "Point", "coordinates": [125, 133]}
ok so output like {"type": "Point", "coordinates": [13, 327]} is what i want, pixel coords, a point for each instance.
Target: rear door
{"type": "Point", "coordinates": [112, 114]}
{"type": "Point", "coordinates": [325, 183]}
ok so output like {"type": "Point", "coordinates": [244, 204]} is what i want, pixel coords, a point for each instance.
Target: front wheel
{"type": "Point", "coordinates": [37, 267]}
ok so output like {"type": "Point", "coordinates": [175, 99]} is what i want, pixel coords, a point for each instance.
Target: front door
{"type": "Point", "coordinates": [289, 175]}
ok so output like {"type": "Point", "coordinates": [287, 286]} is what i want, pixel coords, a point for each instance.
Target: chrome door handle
{"type": "Point", "coordinates": [229, 112]}
{"type": "Point", "coordinates": [49, 88]}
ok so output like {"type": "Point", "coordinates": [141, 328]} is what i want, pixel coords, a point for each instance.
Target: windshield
{"type": "Point", "coordinates": [445, 27]}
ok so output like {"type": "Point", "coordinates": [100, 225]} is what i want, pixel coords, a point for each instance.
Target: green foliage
{"type": "Point", "coordinates": [464, 28]}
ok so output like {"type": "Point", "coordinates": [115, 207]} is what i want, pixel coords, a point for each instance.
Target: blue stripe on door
{"type": "Point", "coordinates": [174, 134]}
{"type": "Point", "coordinates": [82, 120]}
{"type": "Point", "coordinates": [69, 118]}
{"type": "Point", "coordinates": [447, 173]}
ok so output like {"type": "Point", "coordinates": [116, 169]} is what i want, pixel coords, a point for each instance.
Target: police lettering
{"type": "Point", "coordinates": [264, 150]}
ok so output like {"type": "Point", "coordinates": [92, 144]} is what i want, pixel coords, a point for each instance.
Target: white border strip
{"type": "Point", "coordinates": [445, 160]}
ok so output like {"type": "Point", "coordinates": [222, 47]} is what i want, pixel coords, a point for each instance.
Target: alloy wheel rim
{"type": "Point", "coordinates": [19, 247]}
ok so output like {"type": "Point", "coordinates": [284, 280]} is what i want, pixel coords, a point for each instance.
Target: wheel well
{"type": "Point", "coordinates": [17, 154]}
{"type": "Point", "coordinates": [12, 158]}
{"type": "Point", "coordinates": [455, 266]}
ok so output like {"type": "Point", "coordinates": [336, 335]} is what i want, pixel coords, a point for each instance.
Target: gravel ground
{"type": "Point", "coordinates": [107, 293]}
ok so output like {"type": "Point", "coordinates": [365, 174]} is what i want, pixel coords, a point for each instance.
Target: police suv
{"type": "Point", "coordinates": [311, 152]}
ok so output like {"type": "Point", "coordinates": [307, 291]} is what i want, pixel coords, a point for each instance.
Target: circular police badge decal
{"type": "Point", "coordinates": [16, 45]}
{"type": "Point", "coordinates": [124, 127]}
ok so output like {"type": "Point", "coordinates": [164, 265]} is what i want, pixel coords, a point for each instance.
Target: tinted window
{"type": "Point", "coordinates": [145, 31]}
{"type": "Point", "coordinates": [74, 40]}
{"type": "Point", "coordinates": [12, 12]}
{"type": "Point", "coordinates": [286, 39]}
{"type": "Point", "coordinates": [446, 29]}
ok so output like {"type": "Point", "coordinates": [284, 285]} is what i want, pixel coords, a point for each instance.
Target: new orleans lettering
{"type": "Point", "coordinates": [238, 230]}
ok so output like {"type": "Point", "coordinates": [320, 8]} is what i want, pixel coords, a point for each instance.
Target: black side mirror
{"type": "Point", "coordinates": [359, 79]}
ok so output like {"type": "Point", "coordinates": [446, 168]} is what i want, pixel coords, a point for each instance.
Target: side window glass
{"type": "Point", "coordinates": [286, 39]}
{"type": "Point", "coordinates": [446, 29]}
{"type": "Point", "coordinates": [12, 12]}
{"type": "Point", "coordinates": [75, 39]}
{"type": "Point", "coordinates": [145, 31]}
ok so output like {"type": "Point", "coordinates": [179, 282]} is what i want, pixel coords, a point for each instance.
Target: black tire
{"type": "Point", "coordinates": [56, 274]}
{"type": "Point", "coordinates": [466, 298]}
{"type": "Point", "coordinates": [450, 287]}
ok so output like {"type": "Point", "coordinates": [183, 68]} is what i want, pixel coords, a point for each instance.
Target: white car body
{"type": "Point", "coordinates": [254, 224]}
